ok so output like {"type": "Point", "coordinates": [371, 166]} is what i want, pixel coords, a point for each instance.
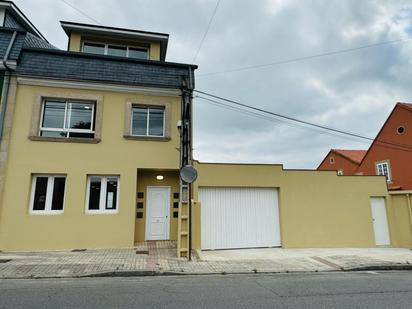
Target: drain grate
{"type": "Point", "coordinates": [78, 250]}
{"type": "Point", "coordinates": [2, 261]}
{"type": "Point", "coordinates": [142, 252]}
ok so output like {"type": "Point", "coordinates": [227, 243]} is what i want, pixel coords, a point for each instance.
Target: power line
{"type": "Point", "coordinates": [206, 32]}
{"type": "Point", "coordinates": [311, 124]}
{"type": "Point", "coordinates": [80, 11]}
{"type": "Point", "coordinates": [304, 58]}
{"type": "Point", "coordinates": [257, 115]}
{"type": "Point", "coordinates": [400, 147]}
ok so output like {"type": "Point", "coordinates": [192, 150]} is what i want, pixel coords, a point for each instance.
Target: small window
{"type": "Point", "coordinates": [102, 194]}
{"type": "Point", "coordinates": [340, 172]}
{"type": "Point", "coordinates": [383, 169]}
{"type": "Point", "coordinates": [401, 130]}
{"type": "Point", "coordinates": [47, 194]}
{"type": "Point", "coordinates": [332, 160]}
{"type": "Point", "coordinates": [137, 53]}
{"type": "Point", "coordinates": [148, 121]}
{"type": "Point", "coordinates": [94, 48]}
{"type": "Point", "coordinates": [64, 119]}
{"type": "Point", "coordinates": [120, 51]}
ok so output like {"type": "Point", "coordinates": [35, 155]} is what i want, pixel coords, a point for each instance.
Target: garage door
{"type": "Point", "coordinates": [239, 217]}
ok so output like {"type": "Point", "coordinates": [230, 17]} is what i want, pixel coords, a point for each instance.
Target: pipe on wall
{"type": "Point", "coordinates": [409, 210]}
{"type": "Point", "coordinates": [6, 84]}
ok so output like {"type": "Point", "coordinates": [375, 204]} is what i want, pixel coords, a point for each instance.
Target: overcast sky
{"type": "Point", "coordinates": [353, 91]}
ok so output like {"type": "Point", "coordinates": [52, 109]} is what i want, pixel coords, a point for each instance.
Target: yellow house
{"type": "Point", "coordinates": [93, 139]}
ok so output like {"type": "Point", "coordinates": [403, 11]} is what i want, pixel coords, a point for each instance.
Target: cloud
{"type": "Point", "coordinates": [354, 91]}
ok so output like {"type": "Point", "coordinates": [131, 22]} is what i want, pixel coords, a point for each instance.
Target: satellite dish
{"type": "Point", "coordinates": [188, 174]}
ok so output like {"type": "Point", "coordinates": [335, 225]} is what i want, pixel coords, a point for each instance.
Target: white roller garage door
{"type": "Point", "coordinates": [239, 217]}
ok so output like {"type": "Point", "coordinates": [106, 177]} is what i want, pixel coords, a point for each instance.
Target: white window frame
{"type": "Point", "coordinates": [102, 202]}
{"type": "Point", "coordinates": [148, 107]}
{"type": "Point", "coordinates": [380, 169]}
{"type": "Point", "coordinates": [49, 195]}
{"type": "Point", "coordinates": [67, 118]}
{"type": "Point", "coordinates": [339, 172]}
{"type": "Point", "coordinates": [332, 160]}
{"type": "Point", "coordinates": [106, 48]}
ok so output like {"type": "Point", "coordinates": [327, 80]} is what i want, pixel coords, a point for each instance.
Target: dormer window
{"type": "Point", "coordinates": [116, 50]}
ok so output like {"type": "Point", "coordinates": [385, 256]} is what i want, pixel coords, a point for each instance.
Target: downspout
{"type": "Point", "coordinates": [409, 211]}
{"type": "Point", "coordinates": [6, 84]}
{"type": "Point", "coordinates": [190, 158]}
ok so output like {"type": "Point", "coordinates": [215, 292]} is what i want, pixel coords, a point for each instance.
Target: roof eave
{"type": "Point", "coordinates": [68, 27]}
{"type": "Point", "coordinates": [17, 13]}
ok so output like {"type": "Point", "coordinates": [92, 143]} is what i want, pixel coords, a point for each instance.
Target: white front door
{"type": "Point", "coordinates": [239, 217]}
{"type": "Point", "coordinates": [157, 213]}
{"type": "Point", "coordinates": [380, 221]}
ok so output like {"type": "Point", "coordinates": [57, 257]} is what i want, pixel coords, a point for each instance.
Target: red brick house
{"type": "Point", "coordinates": [390, 154]}
{"type": "Point", "coordinates": [344, 161]}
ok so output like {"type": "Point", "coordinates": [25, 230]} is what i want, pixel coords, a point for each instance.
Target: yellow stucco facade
{"type": "Point", "coordinates": [317, 209]}
{"type": "Point", "coordinates": [400, 218]}
{"type": "Point", "coordinates": [113, 155]}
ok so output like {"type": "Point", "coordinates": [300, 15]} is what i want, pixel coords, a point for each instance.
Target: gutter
{"type": "Point", "coordinates": [6, 84]}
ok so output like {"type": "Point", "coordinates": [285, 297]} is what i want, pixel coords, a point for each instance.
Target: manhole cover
{"type": "Point", "coordinates": [142, 252]}
{"type": "Point", "coordinates": [5, 261]}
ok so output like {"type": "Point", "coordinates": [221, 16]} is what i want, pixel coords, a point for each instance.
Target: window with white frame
{"type": "Point", "coordinates": [116, 50]}
{"type": "Point", "coordinates": [382, 168]}
{"type": "Point", "coordinates": [47, 196]}
{"type": "Point", "coordinates": [148, 121]}
{"type": "Point", "coordinates": [65, 118]}
{"type": "Point", "coordinates": [340, 172]}
{"type": "Point", "coordinates": [102, 194]}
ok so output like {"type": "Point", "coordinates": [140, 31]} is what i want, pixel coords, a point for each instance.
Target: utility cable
{"type": "Point", "coordinates": [207, 31]}
{"type": "Point", "coordinates": [304, 58]}
{"type": "Point", "coordinates": [80, 11]}
{"type": "Point", "coordinates": [307, 123]}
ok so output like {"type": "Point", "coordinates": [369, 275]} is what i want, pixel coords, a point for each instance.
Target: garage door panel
{"type": "Point", "coordinates": [239, 217]}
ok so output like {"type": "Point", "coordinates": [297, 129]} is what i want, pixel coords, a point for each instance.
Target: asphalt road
{"type": "Point", "coordinates": [331, 290]}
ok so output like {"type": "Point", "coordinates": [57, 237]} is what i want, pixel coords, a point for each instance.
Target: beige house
{"type": "Point", "coordinates": [92, 141]}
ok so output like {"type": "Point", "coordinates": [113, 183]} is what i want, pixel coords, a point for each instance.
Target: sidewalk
{"type": "Point", "coordinates": [159, 258]}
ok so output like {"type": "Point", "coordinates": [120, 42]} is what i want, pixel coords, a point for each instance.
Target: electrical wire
{"type": "Point", "coordinates": [228, 107]}
{"type": "Point", "coordinates": [81, 12]}
{"type": "Point", "coordinates": [207, 31]}
{"type": "Point", "coordinates": [304, 58]}
{"type": "Point", "coordinates": [309, 124]}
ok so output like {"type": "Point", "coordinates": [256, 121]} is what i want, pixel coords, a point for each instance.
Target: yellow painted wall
{"type": "Point", "coordinates": [113, 155]}
{"type": "Point", "coordinates": [148, 178]}
{"type": "Point", "coordinates": [317, 209]}
{"type": "Point", "coordinates": [400, 220]}
{"type": "Point", "coordinates": [75, 44]}
{"type": "Point", "coordinates": [154, 52]}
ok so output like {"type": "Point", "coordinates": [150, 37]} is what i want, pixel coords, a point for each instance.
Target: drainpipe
{"type": "Point", "coordinates": [6, 84]}
{"type": "Point", "coordinates": [190, 158]}
{"type": "Point", "coordinates": [409, 211]}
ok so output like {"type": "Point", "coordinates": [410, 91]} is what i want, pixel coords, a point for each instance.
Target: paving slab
{"type": "Point", "coordinates": [159, 258]}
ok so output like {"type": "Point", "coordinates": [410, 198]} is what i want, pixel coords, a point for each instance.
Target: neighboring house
{"type": "Point", "coordinates": [344, 161]}
{"type": "Point", "coordinates": [390, 154]}
{"type": "Point", "coordinates": [93, 139]}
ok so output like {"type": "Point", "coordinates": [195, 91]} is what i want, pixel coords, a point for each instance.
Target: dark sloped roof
{"type": "Point", "coordinates": [24, 39]}
{"type": "Point", "coordinates": [47, 63]}
{"type": "Point", "coordinates": [35, 42]}
{"type": "Point", "coordinates": [5, 36]}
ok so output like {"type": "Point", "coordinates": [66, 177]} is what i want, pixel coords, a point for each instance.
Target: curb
{"type": "Point", "coordinates": [380, 268]}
